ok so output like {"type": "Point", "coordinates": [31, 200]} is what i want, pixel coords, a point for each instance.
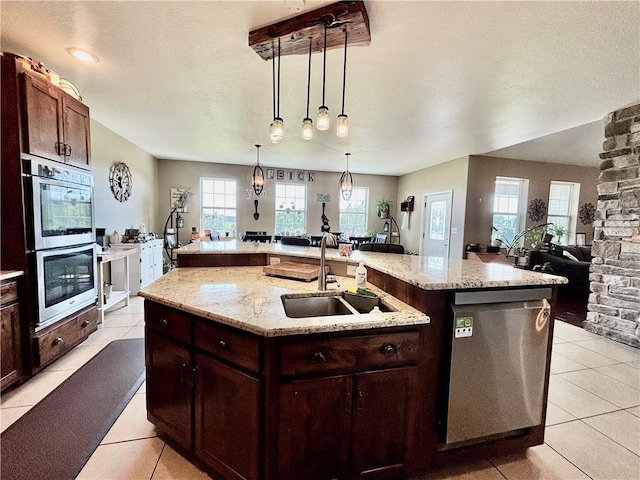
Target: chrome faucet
{"type": "Point", "coordinates": [323, 278]}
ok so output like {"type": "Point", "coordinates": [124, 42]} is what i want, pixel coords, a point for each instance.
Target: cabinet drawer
{"type": "Point", "coordinates": [352, 353]}
{"type": "Point", "coordinates": [167, 322]}
{"type": "Point", "coordinates": [234, 347]}
{"type": "Point", "coordinates": [60, 339]}
{"type": "Point", "coordinates": [8, 293]}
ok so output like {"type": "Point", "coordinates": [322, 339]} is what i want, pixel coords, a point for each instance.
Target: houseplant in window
{"type": "Point", "coordinates": [382, 207]}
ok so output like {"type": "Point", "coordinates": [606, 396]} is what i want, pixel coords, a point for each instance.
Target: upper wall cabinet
{"type": "Point", "coordinates": [55, 125]}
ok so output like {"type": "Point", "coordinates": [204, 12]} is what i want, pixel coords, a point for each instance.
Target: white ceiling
{"type": "Point", "coordinates": [440, 80]}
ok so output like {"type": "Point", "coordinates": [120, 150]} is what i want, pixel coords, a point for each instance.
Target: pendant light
{"type": "Point", "coordinates": [257, 178]}
{"type": "Point", "coordinates": [342, 126]}
{"type": "Point", "coordinates": [307, 123]}
{"type": "Point", "coordinates": [276, 129]}
{"type": "Point", "coordinates": [346, 182]}
{"type": "Point", "coordinates": [323, 111]}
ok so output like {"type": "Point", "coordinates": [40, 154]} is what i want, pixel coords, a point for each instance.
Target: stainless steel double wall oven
{"type": "Point", "coordinates": [62, 237]}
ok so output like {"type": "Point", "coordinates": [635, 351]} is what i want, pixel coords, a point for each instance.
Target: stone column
{"type": "Point", "coordinates": [614, 304]}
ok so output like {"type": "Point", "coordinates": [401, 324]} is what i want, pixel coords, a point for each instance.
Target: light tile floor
{"type": "Point", "coordinates": [593, 415]}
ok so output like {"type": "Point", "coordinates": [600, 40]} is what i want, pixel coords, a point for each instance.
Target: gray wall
{"type": "Point", "coordinates": [182, 174]}
{"type": "Point", "coordinates": [107, 148]}
{"type": "Point", "coordinates": [451, 175]}
{"type": "Point", "coordinates": [483, 172]}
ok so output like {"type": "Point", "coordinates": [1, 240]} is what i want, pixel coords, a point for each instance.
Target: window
{"type": "Point", "coordinates": [353, 213]}
{"type": "Point", "coordinates": [218, 205]}
{"type": "Point", "coordinates": [291, 205]}
{"type": "Point", "coordinates": [563, 209]}
{"type": "Point", "coordinates": [509, 203]}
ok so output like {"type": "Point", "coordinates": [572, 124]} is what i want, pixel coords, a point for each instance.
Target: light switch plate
{"type": "Point", "coordinates": [351, 270]}
{"type": "Point", "coordinates": [274, 260]}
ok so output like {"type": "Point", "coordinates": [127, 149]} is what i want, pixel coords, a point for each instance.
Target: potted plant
{"type": "Point", "coordinates": [382, 207]}
{"type": "Point", "coordinates": [558, 231]}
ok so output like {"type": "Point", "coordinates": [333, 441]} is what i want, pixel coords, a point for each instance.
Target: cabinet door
{"type": "Point", "coordinates": [10, 346]}
{"type": "Point", "coordinates": [227, 418]}
{"type": "Point", "coordinates": [315, 418]}
{"type": "Point", "coordinates": [42, 119]}
{"type": "Point", "coordinates": [169, 386]}
{"type": "Point", "coordinates": [157, 259]}
{"type": "Point", "coordinates": [384, 416]}
{"type": "Point", "coordinates": [146, 265]}
{"type": "Point", "coordinates": [76, 132]}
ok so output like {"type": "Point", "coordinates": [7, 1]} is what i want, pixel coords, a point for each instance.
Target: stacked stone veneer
{"type": "Point", "coordinates": [614, 304]}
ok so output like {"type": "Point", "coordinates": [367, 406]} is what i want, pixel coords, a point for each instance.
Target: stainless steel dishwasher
{"type": "Point", "coordinates": [498, 358]}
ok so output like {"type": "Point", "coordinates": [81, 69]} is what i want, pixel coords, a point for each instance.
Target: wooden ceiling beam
{"type": "Point", "coordinates": [294, 33]}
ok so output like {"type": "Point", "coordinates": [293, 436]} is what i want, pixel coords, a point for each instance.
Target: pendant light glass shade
{"type": "Point", "coordinates": [257, 177]}
{"type": "Point", "coordinates": [342, 127]}
{"type": "Point", "coordinates": [276, 130]}
{"type": "Point", "coordinates": [346, 182]}
{"type": "Point", "coordinates": [323, 120]}
{"type": "Point", "coordinates": [307, 129]}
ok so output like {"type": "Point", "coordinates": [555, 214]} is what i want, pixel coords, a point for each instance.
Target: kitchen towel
{"type": "Point", "coordinates": [405, 221]}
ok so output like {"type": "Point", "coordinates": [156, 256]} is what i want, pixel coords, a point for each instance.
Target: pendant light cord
{"type": "Point", "coordinates": [309, 75]}
{"type": "Point", "coordinates": [278, 78]}
{"type": "Point", "coordinates": [273, 79]}
{"type": "Point", "coordinates": [324, 62]}
{"type": "Point", "coordinates": [344, 71]}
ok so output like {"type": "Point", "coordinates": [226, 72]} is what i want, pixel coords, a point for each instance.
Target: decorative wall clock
{"type": "Point", "coordinates": [536, 210]}
{"type": "Point", "coordinates": [120, 181]}
{"type": "Point", "coordinates": [587, 213]}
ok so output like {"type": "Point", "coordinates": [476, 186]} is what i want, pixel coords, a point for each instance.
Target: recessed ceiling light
{"type": "Point", "coordinates": [82, 55]}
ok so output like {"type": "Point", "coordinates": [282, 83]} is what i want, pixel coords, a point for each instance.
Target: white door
{"type": "Point", "coordinates": [436, 224]}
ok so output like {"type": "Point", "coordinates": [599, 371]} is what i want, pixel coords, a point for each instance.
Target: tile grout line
{"type": "Point", "coordinates": [569, 461]}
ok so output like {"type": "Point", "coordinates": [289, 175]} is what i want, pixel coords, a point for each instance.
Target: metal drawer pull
{"type": "Point", "coordinates": [223, 344]}
{"type": "Point", "coordinates": [164, 323]}
{"type": "Point", "coordinates": [388, 349]}
{"type": "Point", "coordinates": [58, 341]}
{"type": "Point", "coordinates": [85, 323]}
{"type": "Point", "coordinates": [319, 357]}
{"type": "Point", "coordinates": [347, 401]}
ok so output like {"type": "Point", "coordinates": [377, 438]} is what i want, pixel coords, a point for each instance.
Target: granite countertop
{"type": "Point", "coordinates": [247, 298]}
{"type": "Point", "coordinates": [428, 273]}
{"type": "Point", "coordinates": [9, 274]}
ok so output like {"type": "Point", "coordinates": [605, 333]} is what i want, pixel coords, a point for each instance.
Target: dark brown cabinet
{"type": "Point", "coordinates": [227, 418]}
{"type": "Point", "coordinates": [369, 417]}
{"type": "Point", "coordinates": [320, 406]}
{"type": "Point", "coordinates": [10, 365]}
{"type": "Point", "coordinates": [169, 386]}
{"type": "Point", "coordinates": [55, 125]}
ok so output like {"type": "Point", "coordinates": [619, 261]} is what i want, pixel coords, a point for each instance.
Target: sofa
{"type": "Point", "coordinates": [568, 261]}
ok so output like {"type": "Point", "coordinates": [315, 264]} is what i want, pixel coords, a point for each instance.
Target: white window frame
{"type": "Point", "coordinates": [356, 195]}
{"type": "Point", "coordinates": [222, 202]}
{"type": "Point", "coordinates": [520, 214]}
{"type": "Point", "coordinates": [298, 202]}
{"type": "Point", "coordinates": [565, 209]}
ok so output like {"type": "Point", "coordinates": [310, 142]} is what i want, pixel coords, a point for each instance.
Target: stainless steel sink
{"type": "Point", "coordinates": [300, 305]}
{"type": "Point", "coordinates": [315, 306]}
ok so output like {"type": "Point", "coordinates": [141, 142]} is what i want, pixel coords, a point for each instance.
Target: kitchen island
{"type": "Point", "coordinates": [249, 392]}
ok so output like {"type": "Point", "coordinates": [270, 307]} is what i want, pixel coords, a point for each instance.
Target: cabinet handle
{"type": "Point", "coordinates": [319, 357]}
{"type": "Point", "coordinates": [58, 341]}
{"type": "Point", "coordinates": [347, 401]}
{"type": "Point", "coordinates": [85, 323]}
{"type": "Point", "coordinates": [389, 349]}
{"type": "Point", "coordinates": [60, 149]}
{"type": "Point", "coordinates": [183, 368]}
{"type": "Point", "coordinates": [360, 405]}
{"type": "Point", "coordinates": [223, 344]}
{"type": "Point", "coordinates": [67, 150]}
{"type": "Point", "coordinates": [164, 323]}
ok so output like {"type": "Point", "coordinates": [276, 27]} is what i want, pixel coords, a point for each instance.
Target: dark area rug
{"type": "Point", "coordinates": [57, 436]}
